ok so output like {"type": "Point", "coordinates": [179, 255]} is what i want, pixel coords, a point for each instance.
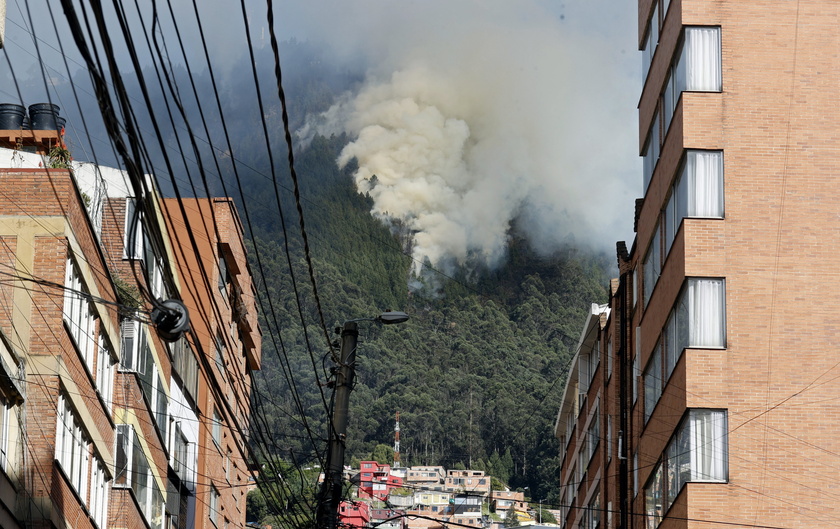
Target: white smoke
{"type": "Point", "coordinates": [480, 116]}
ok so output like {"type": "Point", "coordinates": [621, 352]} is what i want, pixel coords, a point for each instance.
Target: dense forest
{"type": "Point", "coordinates": [477, 373]}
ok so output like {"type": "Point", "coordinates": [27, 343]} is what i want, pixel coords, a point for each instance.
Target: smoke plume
{"type": "Point", "coordinates": [481, 117]}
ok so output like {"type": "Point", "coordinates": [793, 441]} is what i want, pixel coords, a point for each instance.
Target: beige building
{"type": "Point", "coordinates": [467, 481]}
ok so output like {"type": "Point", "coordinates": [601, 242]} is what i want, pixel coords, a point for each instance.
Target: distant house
{"type": "Point", "coordinates": [431, 497]}
{"type": "Point", "coordinates": [354, 514]}
{"type": "Point", "coordinates": [376, 481]}
{"type": "Point", "coordinates": [427, 477]}
{"type": "Point", "coordinates": [503, 500]}
{"type": "Point", "coordinates": [400, 499]}
{"type": "Point", "coordinates": [388, 518]}
{"type": "Point", "coordinates": [471, 481]}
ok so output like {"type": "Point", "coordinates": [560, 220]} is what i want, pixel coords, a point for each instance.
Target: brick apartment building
{"type": "Point", "coordinates": [103, 423]}
{"type": "Point", "coordinates": [713, 395]}
{"type": "Point", "coordinates": [209, 246]}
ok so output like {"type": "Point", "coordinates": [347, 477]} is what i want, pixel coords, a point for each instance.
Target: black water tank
{"type": "Point", "coordinates": [11, 116]}
{"type": "Point", "coordinates": [43, 116]}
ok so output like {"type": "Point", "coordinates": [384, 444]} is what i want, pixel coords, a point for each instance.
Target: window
{"type": "Point", "coordinates": [224, 274]}
{"type": "Point", "coordinates": [698, 319]}
{"type": "Point", "coordinates": [702, 311]}
{"type": "Point", "coordinates": [593, 511]}
{"type": "Point", "coordinates": [227, 465]}
{"type": "Point", "coordinates": [571, 419]}
{"type": "Point", "coordinates": [698, 451]}
{"type": "Point", "coordinates": [652, 266]}
{"type": "Point", "coordinates": [155, 392]}
{"type": "Point", "coordinates": [699, 65]}
{"type": "Point", "coordinates": [609, 357]}
{"type": "Point", "coordinates": [699, 188]}
{"type": "Point", "coordinates": [99, 491]}
{"type": "Point", "coordinates": [72, 447]}
{"type": "Point", "coordinates": [183, 463]}
{"type": "Point", "coordinates": [635, 287]}
{"type": "Point", "coordinates": [670, 96]}
{"type": "Point", "coordinates": [593, 435]}
{"type": "Point", "coordinates": [79, 315]}
{"type": "Point", "coordinates": [185, 365]}
{"type": "Point", "coordinates": [653, 380]}
{"type": "Point", "coordinates": [651, 151]}
{"type": "Point", "coordinates": [214, 504]}
{"type": "Point", "coordinates": [586, 368]}
{"type": "Point", "coordinates": [651, 41]}
{"type": "Point", "coordinates": [583, 464]}
{"type": "Point", "coordinates": [636, 473]}
{"type": "Point", "coordinates": [217, 427]}
{"type": "Point", "coordinates": [105, 364]}
{"type": "Point", "coordinates": [609, 437]}
{"type": "Point", "coordinates": [155, 276]}
{"type": "Point", "coordinates": [7, 415]}
{"type": "Point", "coordinates": [697, 68]}
{"type": "Point", "coordinates": [697, 192]}
{"type": "Point", "coordinates": [133, 470]}
{"type": "Point", "coordinates": [220, 352]}
{"type": "Point", "coordinates": [637, 369]}
{"type": "Point", "coordinates": [135, 347]}
{"type": "Point", "coordinates": [160, 406]}
{"type": "Point", "coordinates": [133, 245]}
{"type": "Point", "coordinates": [571, 488]}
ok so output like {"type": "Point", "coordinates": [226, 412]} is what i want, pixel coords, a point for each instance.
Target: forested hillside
{"type": "Point", "coordinates": [476, 373]}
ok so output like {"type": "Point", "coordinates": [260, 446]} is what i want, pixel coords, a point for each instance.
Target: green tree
{"type": "Point", "coordinates": [545, 516]}
{"type": "Point", "coordinates": [256, 508]}
{"type": "Point", "coordinates": [511, 519]}
{"type": "Point", "coordinates": [382, 454]}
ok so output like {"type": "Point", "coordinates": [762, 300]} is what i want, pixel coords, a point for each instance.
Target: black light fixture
{"type": "Point", "coordinates": [171, 319]}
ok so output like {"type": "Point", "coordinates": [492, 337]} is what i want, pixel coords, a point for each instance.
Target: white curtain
{"type": "Point", "coordinates": [702, 46]}
{"type": "Point", "coordinates": [708, 445]}
{"type": "Point", "coordinates": [706, 312]}
{"type": "Point", "coordinates": [704, 172]}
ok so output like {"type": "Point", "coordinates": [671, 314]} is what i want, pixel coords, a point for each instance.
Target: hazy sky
{"type": "Point", "coordinates": [473, 114]}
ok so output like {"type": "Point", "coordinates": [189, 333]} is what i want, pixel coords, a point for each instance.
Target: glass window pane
{"type": "Point", "coordinates": [708, 445]}
{"type": "Point", "coordinates": [704, 186]}
{"type": "Point", "coordinates": [706, 312]}
{"type": "Point", "coordinates": [702, 47]}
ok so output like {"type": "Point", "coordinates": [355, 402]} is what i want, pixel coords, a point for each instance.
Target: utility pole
{"type": "Point", "coordinates": [330, 495]}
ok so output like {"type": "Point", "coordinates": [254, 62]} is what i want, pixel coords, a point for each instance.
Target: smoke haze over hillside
{"type": "Point", "coordinates": [473, 118]}
{"type": "Point", "coordinates": [476, 117]}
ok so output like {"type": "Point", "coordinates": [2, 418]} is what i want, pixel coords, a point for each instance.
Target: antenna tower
{"type": "Point", "coordinates": [397, 442]}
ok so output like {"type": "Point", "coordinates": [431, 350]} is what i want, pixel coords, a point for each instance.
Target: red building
{"type": "Point", "coordinates": [376, 481]}
{"type": "Point", "coordinates": [354, 514]}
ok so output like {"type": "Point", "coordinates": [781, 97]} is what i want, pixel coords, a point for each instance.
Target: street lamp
{"type": "Point", "coordinates": [329, 497]}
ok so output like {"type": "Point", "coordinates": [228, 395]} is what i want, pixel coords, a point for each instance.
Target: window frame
{"type": "Point", "coordinates": [662, 479]}
{"type": "Point", "coordinates": [72, 446]}
{"type": "Point", "coordinates": [79, 314]}
{"type": "Point", "coordinates": [134, 222]}
{"type": "Point", "coordinates": [675, 337]}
